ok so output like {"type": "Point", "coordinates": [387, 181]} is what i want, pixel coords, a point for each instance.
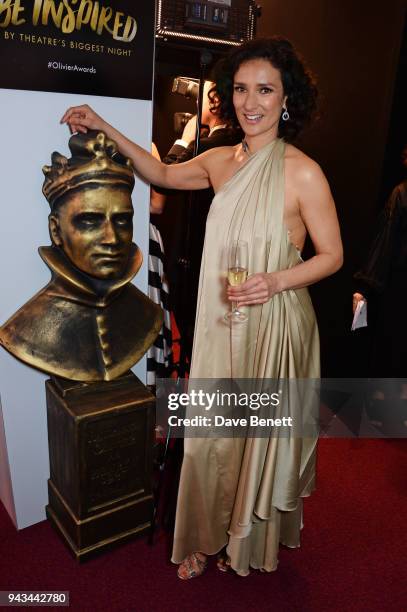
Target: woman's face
{"type": "Point", "coordinates": [258, 97]}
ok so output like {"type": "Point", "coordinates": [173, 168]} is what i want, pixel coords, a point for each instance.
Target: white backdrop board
{"type": "Point", "coordinates": [30, 133]}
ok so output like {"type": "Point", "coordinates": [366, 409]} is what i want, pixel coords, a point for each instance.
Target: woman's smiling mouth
{"type": "Point", "coordinates": [252, 118]}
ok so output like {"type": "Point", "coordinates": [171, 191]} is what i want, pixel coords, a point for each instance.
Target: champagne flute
{"type": "Point", "coordinates": [237, 274]}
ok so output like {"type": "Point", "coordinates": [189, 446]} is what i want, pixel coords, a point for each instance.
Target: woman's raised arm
{"type": "Point", "coordinates": [189, 175]}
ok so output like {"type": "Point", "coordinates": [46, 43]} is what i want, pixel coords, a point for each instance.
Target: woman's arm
{"type": "Point", "coordinates": [189, 175]}
{"type": "Point", "coordinates": [157, 200]}
{"type": "Point", "coordinates": [317, 211]}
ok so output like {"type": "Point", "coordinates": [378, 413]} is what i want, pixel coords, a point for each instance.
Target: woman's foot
{"type": "Point", "coordinates": [223, 561]}
{"type": "Point", "coordinates": [192, 566]}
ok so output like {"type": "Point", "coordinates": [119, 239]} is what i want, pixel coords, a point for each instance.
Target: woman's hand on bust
{"type": "Point", "coordinates": [258, 289]}
{"type": "Point", "coordinates": [83, 118]}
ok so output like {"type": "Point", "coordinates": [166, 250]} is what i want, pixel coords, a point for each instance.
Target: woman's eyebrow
{"type": "Point", "coordinates": [241, 84]}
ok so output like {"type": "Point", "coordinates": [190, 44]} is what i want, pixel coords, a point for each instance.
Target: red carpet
{"type": "Point", "coordinates": [353, 554]}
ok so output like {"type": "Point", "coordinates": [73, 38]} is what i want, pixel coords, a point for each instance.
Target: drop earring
{"type": "Point", "coordinates": [286, 115]}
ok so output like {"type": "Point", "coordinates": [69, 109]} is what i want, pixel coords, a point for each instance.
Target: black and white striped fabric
{"type": "Point", "coordinates": [159, 356]}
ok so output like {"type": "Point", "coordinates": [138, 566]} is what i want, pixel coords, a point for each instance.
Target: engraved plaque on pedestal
{"type": "Point", "coordinates": [100, 445]}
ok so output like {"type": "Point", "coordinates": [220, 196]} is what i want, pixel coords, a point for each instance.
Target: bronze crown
{"type": "Point", "coordinates": [95, 161]}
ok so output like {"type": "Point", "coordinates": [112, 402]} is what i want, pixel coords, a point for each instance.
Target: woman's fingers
{"type": "Point", "coordinates": [253, 285]}
{"type": "Point", "coordinates": [251, 282]}
{"type": "Point", "coordinates": [255, 298]}
{"type": "Point", "coordinates": [77, 118]}
{"type": "Point", "coordinates": [253, 295]}
{"type": "Point", "coordinates": [252, 302]}
{"type": "Point", "coordinates": [77, 128]}
{"type": "Point", "coordinates": [82, 118]}
{"type": "Point", "coordinates": [75, 111]}
{"type": "Point", "coordinates": [255, 290]}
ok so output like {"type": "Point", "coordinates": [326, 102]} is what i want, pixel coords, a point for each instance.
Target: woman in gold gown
{"type": "Point", "coordinates": [246, 493]}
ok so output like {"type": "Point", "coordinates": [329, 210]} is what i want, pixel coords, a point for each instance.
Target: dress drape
{"type": "Point", "coordinates": [246, 492]}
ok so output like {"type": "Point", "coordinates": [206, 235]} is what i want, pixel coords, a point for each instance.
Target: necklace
{"type": "Point", "coordinates": [245, 147]}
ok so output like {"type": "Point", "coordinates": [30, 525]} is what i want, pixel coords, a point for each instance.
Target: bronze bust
{"type": "Point", "coordinates": [89, 323]}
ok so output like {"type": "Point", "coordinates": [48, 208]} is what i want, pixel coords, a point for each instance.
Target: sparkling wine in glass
{"type": "Point", "coordinates": [237, 274]}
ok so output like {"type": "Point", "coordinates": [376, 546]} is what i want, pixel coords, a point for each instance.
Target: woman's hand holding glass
{"type": "Point", "coordinates": [259, 288]}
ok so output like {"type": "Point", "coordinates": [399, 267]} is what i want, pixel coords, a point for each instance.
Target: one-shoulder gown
{"type": "Point", "coordinates": [247, 493]}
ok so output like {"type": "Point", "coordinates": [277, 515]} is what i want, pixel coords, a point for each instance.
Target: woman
{"type": "Point", "coordinates": [246, 493]}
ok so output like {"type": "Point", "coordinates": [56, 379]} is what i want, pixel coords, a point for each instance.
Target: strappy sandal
{"type": "Point", "coordinates": [223, 562]}
{"type": "Point", "coordinates": [194, 565]}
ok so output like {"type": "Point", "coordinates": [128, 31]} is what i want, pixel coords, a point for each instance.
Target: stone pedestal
{"type": "Point", "coordinates": [100, 448]}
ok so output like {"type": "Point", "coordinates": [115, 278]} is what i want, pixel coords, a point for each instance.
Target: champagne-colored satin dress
{"type": "Point", "coordinates": [246, 493]}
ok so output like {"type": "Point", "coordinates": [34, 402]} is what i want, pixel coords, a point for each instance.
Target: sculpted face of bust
{"type": "Point", "coordinates": [94, 228]}
{"type": "Point", "coordinates": [96, 325]}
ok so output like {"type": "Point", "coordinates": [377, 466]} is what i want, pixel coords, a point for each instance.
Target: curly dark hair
{"type": "Point", "coordinates": [298, 82]}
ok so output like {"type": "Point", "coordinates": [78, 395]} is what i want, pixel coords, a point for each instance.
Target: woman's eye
{"type": "Point", "coordinates": [238, 88]}
{"type": "Point", "coordinates": [266, 90]}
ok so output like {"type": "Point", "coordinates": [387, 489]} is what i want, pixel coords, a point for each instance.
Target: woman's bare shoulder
{"type": "Point", "coordinates": [300, 167]}
{"type": "Point", "coordinates": [217, 159]}
{"type": "Point", "coordinates": [221, 154]}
